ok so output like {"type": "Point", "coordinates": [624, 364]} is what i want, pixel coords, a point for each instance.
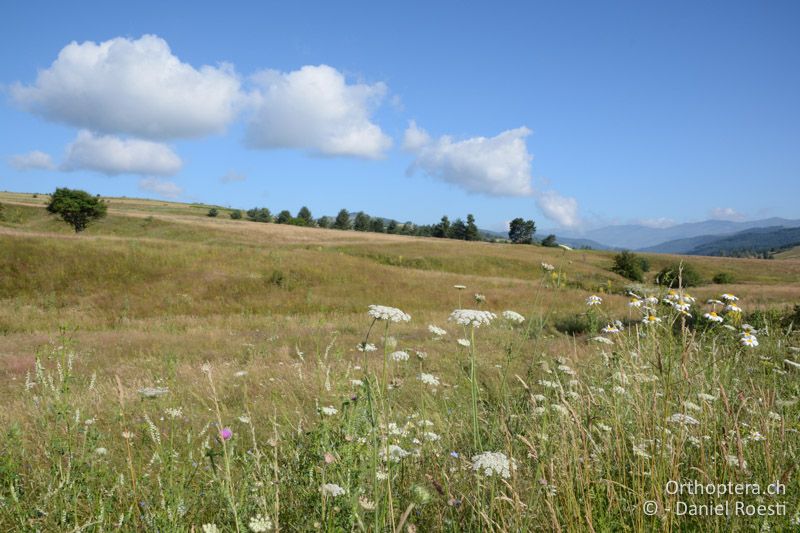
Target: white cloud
{"type": "Point", "coordinates": [561, 209]}
{"type": "Point", "coordinates": [166, 189]}
{"type": "Point", "coordinates": [726, 213]}
{"type": "Point", "coordinates": [231, 177]}
{"type": "Point", "coordinates": [497, 166]}
{"type": "Point", "coordinates": [136, 87]}
{"type": "Point", "coordinates": [111, 155]}
{"type": "Point", "coordinates": [315, 109]}
{"type": "Point", "coordinates": [32, 160]}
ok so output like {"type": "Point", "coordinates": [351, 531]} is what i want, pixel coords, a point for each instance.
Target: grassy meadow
{"type": "Point", "coordinates": [166, 371]}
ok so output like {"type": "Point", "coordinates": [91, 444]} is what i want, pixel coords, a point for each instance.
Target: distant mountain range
{"type": "Point", "coordinates": [696, 238]}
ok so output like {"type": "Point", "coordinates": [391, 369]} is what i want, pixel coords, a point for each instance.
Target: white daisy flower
{"type": "Point", "coordinates": [593, 300]}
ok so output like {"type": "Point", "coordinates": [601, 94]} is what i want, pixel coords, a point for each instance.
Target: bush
{"type": "Point", "coordinates": [77, 208]}
{"type": "Point", "coordinates": [723, 278]}
{"type": "Point", "coordinates": [683, 274]}
{"type": "Point", "coordinates": [2, 215]}
{"type": "Point", "coordinates": [629, 265]}
{"type": "Point", "coordinates": [236, 214]}
{"type": "Point", "coordinates": [212, 212]}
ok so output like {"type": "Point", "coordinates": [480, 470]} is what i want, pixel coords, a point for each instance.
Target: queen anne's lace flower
{"type": "Point", "coordinates": [513, 316]}
{"type": "Point", "coordinates": [429, 379]}
{"type": "Point", "coordinates": [464, 342]}
{"type": "Point", "coordinates": [260, 524]}
{"type": "Point", "coordinates": [680, 418]}
{"type": "Point", "coordinates": [392, 314]}
{"type": "Point", "coordinates": [436, 330]}
{"type": "Point", "coordinates": [368, 347]}
{"type": "Point", "coordinates": [394, 454]}
{"type": "Point", "coordinates": [332, 490]}
{"type": "Point", "coordinates": [329, 411]}
{"type": "Point", "coordinates": [400, 356]}
{"type": "Point", "coordinates": [472, 317]}
{"type": "Point", "coordinates": [493, 463]}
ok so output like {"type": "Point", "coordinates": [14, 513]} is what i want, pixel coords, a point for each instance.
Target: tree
{"type": "Point", "coordinates": [392, 227]}
{"type": "Point", "coordinates": [408, 228]}
{"type": "Point", "coordinates": [683, 274]}
{"type": "Point", "coordinates": [472, 233]}
{"type": "Point", "coordinates": [550, 241]}
{"type": "Point", "coordinates": [458, 230]}
{"type": "Point", "coordinates": [361, 222]}
{"type": "Point", "coordinates": [236, 214]}
{"type": "Point", "coordinates": [442, 229]}
{"type": "Point", "coordinates": [376, 225]}
{"type": "Point", "coordinates": [77, 208]}
{"type": "Point", "coordinates": [213, 212]}
{"type": "Point", "coordinates": [520, 231]}
{"type": "Point", "coordinates": [304, 217]}
{"type": "Point", "coordinates": [629, 265]}
{"type": "Point", "coordinates": [324, 222]}
{"type": "Point", "coordinates": [342, 220]}
{"type": "Point", "coordinates": [261, 214]}
{"type": "Point", "coordinates": [284, 217]}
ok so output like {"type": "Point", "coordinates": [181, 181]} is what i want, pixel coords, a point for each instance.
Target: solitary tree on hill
{"type": "Point", "coordinates": [77, 208]}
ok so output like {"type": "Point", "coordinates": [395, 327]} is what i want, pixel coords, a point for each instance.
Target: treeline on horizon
{"type": "Point", "coordinates": [521, 231]}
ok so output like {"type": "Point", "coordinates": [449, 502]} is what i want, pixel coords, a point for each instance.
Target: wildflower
{"type": "Point", "coordinates": [651, 300]}
{"type": "Point", "coordinates": [513, 316]}
{"type": "Point", "coordinates": [774, 416]}
{"type": "Point", "coordinates": [650, 320]}
{"type": "Point", "coordinates": [366, 347]}
{"type": "Point", "coordinates": [691, 406]}
{"type": "Point", "coordinates": [683, 419]}
{"type": "Point", "coordinates": [479, 298]}
{"type": "Point", "coordinates": [210, 528]}
{"type": "Point", "coordinates": [101, 451]}
{"type": "Point", "coordinates": [429, 379]}
{"type": "Point", "coordinates": [749, 340]}
{"type": "Point", "coordinates": [244, 419]}
{"type": "Point", "coordinates": [733, 308]}
{"type": "Point", "coordinates": [459, 287]}
{"type": "Point", "coordinates": [240, 373]}
{"type": "Point", "coordinates": [706, 397]}
{"type": "Point", "coordinates": [260, 523]}
{"type": "Point", "coordinates": [566, 369]}
{"type": "Point", "coordinates": [472, 317]}
{"type": "Point", "coordinates": [399, 356]}
{"type": "Point", "coordinates": [431, 436]}
{"type": "Point", "coordinates": [618, 390]}
{"type": "Point", "coordinates": [713, 317]}
{"type": "Point", "coordinates": [420, 355]}
{"type": "Point", "coordinates": [127, 435]}
{"type": "Point", "coordinates": [464, 342]}
{"type": "Point", "coordinates": [747, 328]}
{"type": "Point", "coordinates": [547, 267]}
{"type": "Point", "coordinates": [394, 454]}
{"type": "Point", "coordinates": [153, 392]}
{"type": "Point", "coordinates": [356, 382]}
{"type": "Point", "coordinates": [603, 340]}
{"type": "Point", "coordinates": [593, 300]}
{"type": "Point", "coordinates": [332, 490]}
{"type": "Point", "coordinates": [392, 314]}
{"type": "Point", "coordinates": [635, 302]}
{"type": "Point", "coordinates": [610, 328]}
{"type": "Point", "coordinates": [380, 475]}
{"type": "Point", "coordinates": [329, 410]}
{"type": "Point", "coordinates": [174, 412]}
{"type": "Point", "coordinates": [439, 332]}
{"type": "Point", "coordinates": [733, 460]}
{"type": "Point", "coordinates": [682, 306]}
{"type": "Point", "coordinates": [756, 436]}
{"type": "Point", "coordinates": [366, 503]}
{"type": "Point", "coordinates": [729, 297]}
{"type": "Point", "coordinates": [491, 463]}
{"type": "Point", "coordinates": [226, 433]}
{"type": "Point", "coordinates": [639, 451]}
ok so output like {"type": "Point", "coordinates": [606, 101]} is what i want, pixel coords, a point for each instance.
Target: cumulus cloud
{"type": "Point", "coordinates": [497, 166]}
{"type": "Point", "coordinates": [136, 87]}
{"type": "Point", "coordinates": [315, 109]}
{"type": "Point", "coordinates": [163, 188]}
{"type": "Point", "coordinates": [726, 213]}
{"type": "Point", "coordinates": [231, 177]}
{"type": "Point", "coordinates": [561, 209]}
{"type": "Point", "coordinates": [111, 156]}
{"type": "Point", "coordinates": [32, 160]}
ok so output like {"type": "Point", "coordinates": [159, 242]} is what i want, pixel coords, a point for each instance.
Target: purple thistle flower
{"type": "Point", "coordinates": [226, 433]}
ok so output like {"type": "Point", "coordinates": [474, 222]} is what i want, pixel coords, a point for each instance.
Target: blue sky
{"type": "Point", "coordinates": [575, 114]}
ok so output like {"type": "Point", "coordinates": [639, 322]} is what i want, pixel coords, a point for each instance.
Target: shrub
{"type": "Point", "coordinates": [550, 241]}
{"type": "Point", "coordinates": [683, 274]}
{"type": "Point", "coordinates": [629, 265]}
{"type": "Point", "coordinates": [212, 212]}
{"type": "Point", "coordinates": [723, 278]}
{"type": "Point", "coordinates": [77, 208]}
{"type": "Point", "coordinates": [236, 214]}
{"type": "Point", "coordinates": [259, 214]}
{"type": "Point", "coordinates": [2, 215]}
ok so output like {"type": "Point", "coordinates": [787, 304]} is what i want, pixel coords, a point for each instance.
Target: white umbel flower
{"type": "Point", "coordinates": [392, 314]}
{"type": "Point", "coordinates": [680, 418]}
{"type": "Point", "coordinates": [472, 317]}
{"type": "Point", "coordinates": [394, 454]}
{"type": "Point", "coordinates": [513, 316]}
{"type": "Point", "coordinates": [429, 379]}
{"type": "Point", "coordinates": [493, 463]}
{"type": "Point", "coordinates": [332, 490]}
{"type": "Point", "coordinates": [436, 330]}
{"type": "Point", "coordinates": [329, 410]}
{"type": "Point", "coordinates": [464, 342]}
{"type": "Point", "coordinates": [260, 524]}
{"type": "Point", "coordinates": [399, 356]}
